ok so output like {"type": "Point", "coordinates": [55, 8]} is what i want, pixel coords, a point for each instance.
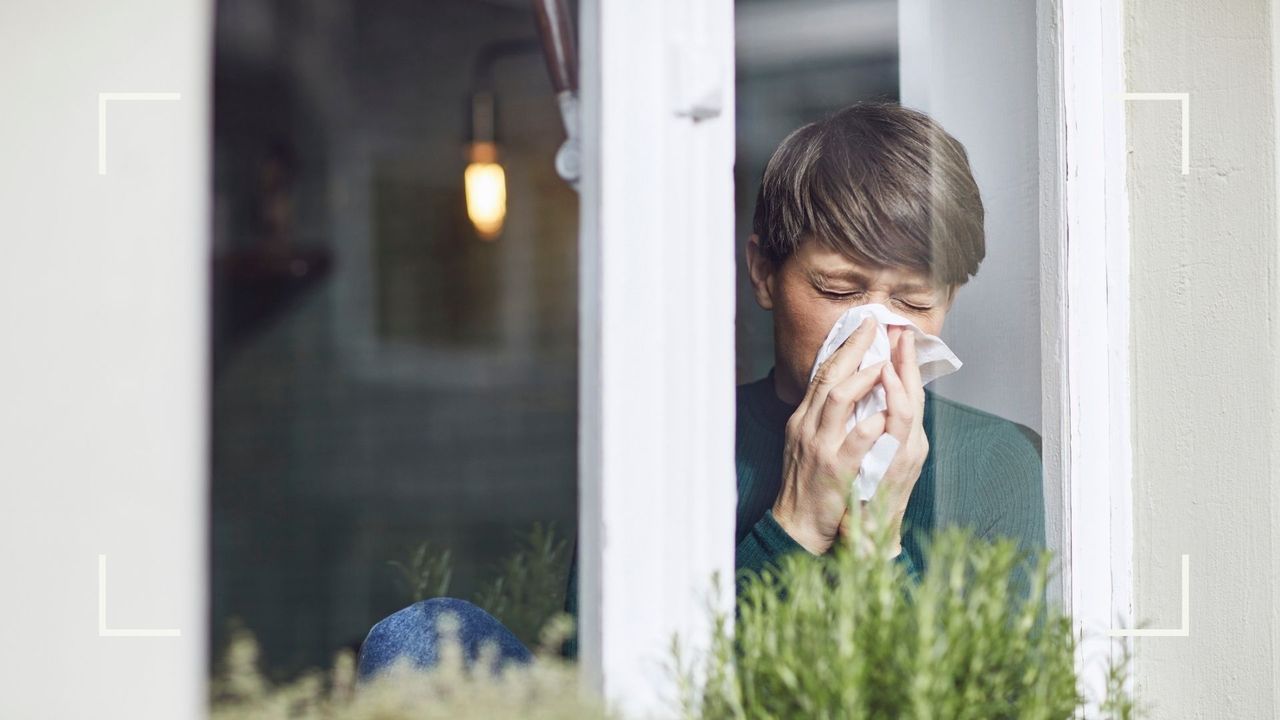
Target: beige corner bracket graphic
{"type": "Point", "coordinates": [103, 99]}
{"type": "Point", "coordinates": [1183, 631]}
{"type": "Point", "coordinates": [1185, 99]}
{"type": "Point", "coordinates": [103, 630]}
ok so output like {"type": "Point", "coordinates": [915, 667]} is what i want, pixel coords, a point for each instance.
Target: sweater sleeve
{"type": "Point", "coordinates": [1014, 483]}
{"type": "Point", "coordinates": [908, 565]}
{"type": "Point", "coordinates": [1013, 478]}
{"type": "Point", "coordinates": [767, 542]}
{"type": "Point", "coordinates": [763, 545]}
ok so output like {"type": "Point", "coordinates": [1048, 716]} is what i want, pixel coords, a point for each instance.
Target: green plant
{"type": "Point", "coordinates": [529, 587]}
{"type": "Point", "coordinates": [1119, 704]}
{"type": "Point", "coordinates": [545, 690]}
{"type": "Point", "coordinates": [526, 596]}
{"type": "Point", "coordinates": [426, 573]}
{"type": "Point", "coordinates": [525, 593]}
{"type": "Point", "coordinates": [849, 635]}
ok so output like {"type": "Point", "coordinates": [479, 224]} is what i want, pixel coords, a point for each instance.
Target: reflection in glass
{"type": "Point", "coordinates": [394, 400]}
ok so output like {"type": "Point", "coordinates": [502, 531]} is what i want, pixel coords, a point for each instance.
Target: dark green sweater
{"type": "Point", "coordinates": [982, 472]}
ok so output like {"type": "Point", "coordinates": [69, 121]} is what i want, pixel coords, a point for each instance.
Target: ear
{"type": "Point", "coordinates": [762, 271]}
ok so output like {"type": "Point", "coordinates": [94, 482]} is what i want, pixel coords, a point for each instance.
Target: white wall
{"type": "Point", "coordinates": [972, 66]}
{"type": "Point", "coordinates": [102, 315]}
{"type": "Point", "coordinates": [1204, 339]}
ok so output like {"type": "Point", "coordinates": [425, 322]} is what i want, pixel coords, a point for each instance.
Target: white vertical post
{"type": "Point", "coordinates": [1094, 261]}
{"type": "Point", "coordinates": [657, 345]}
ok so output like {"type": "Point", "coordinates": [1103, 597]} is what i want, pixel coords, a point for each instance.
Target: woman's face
{"type": "Point", "coordinates": [809, 291]}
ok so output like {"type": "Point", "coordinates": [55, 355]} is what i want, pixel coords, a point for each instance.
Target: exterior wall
{"type": "Point", "coordinates": [1204, 335]}
{"type": "Point", "coordinates": [102, 311]}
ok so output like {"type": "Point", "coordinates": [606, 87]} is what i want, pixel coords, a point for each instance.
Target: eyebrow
{"type": "Point", "coordinates": [819, 276]}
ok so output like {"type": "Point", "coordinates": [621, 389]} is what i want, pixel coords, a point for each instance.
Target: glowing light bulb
{"type": "Point", "coordinates": [486, 188]}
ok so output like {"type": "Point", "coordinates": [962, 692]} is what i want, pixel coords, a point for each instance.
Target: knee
{"type": "Point", "coordinates": [415, 633]}
{"type": "Point", "coordinates": [412, 632]}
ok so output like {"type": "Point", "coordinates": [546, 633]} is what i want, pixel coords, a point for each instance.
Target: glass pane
{"type": "Point", "coordinates": [806, 62]}
{"type": "Point", "coordinates": [390, 377]}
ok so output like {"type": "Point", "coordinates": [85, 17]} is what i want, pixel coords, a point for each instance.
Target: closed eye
{"type": "Point", "coordinates": [916, 308]}
{"type": "Point", "coordinates": [845, 296]}
{"type": "Point", "coordinates": [841, 295]}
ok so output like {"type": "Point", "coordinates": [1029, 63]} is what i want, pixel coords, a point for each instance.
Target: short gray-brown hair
{"type": "Point", "coordinates": [884, 185]}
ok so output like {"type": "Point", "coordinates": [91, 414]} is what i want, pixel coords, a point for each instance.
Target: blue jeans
{"type": "Point", "coordinates": [413, 633]}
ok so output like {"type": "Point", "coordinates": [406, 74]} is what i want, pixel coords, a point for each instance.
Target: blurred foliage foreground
{"type": "Point", "coordinates": [846, 635]}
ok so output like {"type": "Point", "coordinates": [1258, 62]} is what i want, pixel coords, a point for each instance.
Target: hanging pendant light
{"type": "Point", "coordinates": [486, 188]}
{"type": "Point", "coordinates": [484, 181]}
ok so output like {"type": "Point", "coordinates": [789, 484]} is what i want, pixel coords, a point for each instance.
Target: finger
{"type": "Point", "coordinates": [909, 368]}
{"type": "Point", "coordinates": [901, 409]}
{"type": "Point", "coordinates": [841, 401]}
{"type": "Point", "coordinates": [895, 337]}
{"type": "Point", "coordinates": [842, 363]}
{"type": "Point", "coordinates": [858, 442]}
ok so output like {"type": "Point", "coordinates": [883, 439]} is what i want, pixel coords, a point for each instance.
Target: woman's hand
{"type": "Point", "coordinates": [820, 459]}
{"type": "Point", "coordinates": [904, 394]}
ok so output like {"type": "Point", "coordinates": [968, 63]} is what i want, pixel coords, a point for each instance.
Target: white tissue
{"type": "Point", "coordinates": [935, 360]}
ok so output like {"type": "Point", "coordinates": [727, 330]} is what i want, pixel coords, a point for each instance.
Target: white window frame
{"type": "Point", "coordinates": [1085, 311]}
{"type": "Point", "coordinates": [656, 425]}
{"type": "Point", "coordinates": [656, 371]}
